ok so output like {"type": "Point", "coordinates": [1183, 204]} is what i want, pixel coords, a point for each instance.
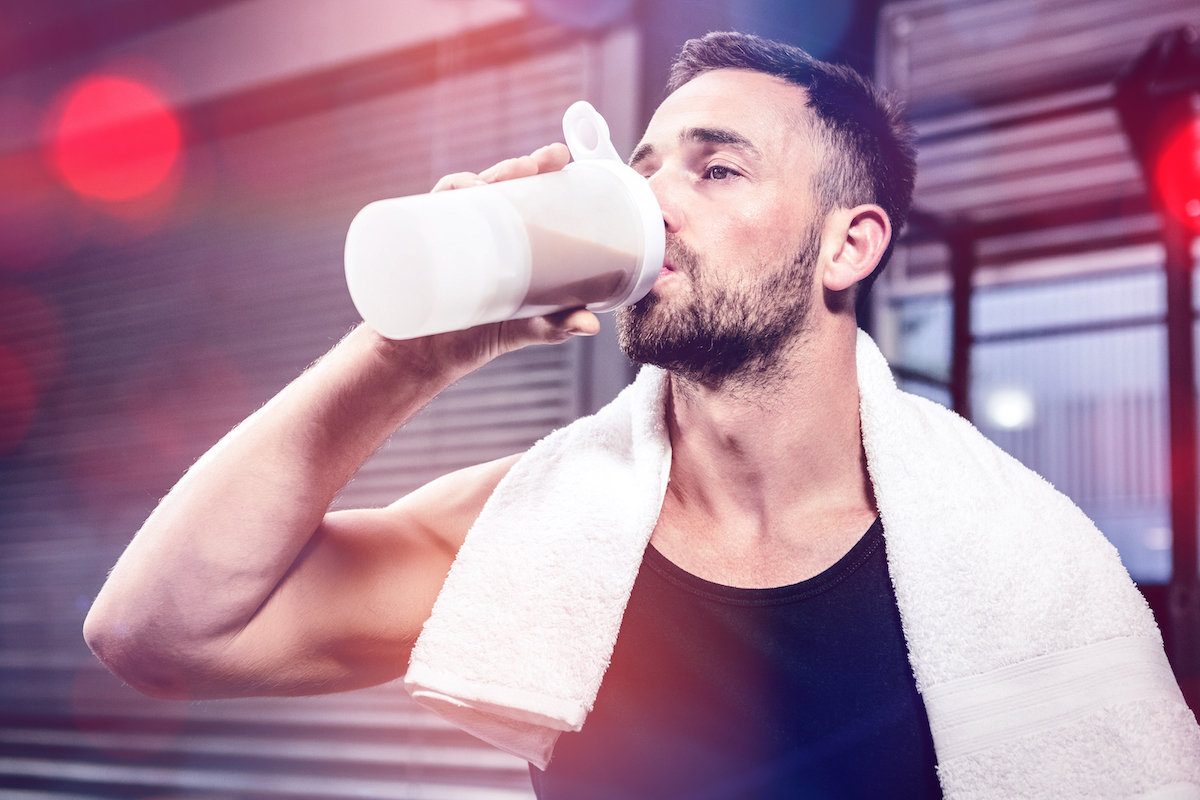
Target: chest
{"type": "Point", "coordinates": [798, 687]}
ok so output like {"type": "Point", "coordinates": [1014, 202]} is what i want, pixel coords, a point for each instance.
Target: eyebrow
{"type": "Point", "coordinates": [706, 135]}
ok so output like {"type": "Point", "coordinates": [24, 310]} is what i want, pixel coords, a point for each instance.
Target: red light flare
{"type": "Point", "coordinates": [1177, 173]}
{"type": "Point", "coordinates": [114, 138]}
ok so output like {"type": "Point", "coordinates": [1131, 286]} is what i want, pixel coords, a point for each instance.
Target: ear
{"type": "Point", "coordinates": [859, 237]}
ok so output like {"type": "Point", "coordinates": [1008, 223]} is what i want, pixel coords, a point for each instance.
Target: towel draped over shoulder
{"type": "Point", "coordinates": [1038, 660]}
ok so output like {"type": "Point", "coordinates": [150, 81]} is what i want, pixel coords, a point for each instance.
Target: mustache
{"type": "Point", "coordinates": [681, 257]}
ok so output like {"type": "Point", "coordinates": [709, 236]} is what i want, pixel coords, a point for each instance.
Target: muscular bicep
{"type": "Point", "coordinates": [349, 610]}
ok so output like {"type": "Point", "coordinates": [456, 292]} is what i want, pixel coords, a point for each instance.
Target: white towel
{"type": "Point", "coordinates": [1039, 662]}
{"type": "Point", "coordinates": [523, 629]}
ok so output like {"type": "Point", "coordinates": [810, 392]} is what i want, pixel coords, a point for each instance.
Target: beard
{"type": "Point", "coordinates": [722, 335]}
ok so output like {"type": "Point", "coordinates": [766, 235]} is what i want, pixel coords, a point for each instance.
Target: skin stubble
{"type": "Point", "coordinates": [723, 337]}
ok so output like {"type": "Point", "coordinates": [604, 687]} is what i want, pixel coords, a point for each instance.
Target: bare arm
{"type": "Point", "coordinates": [241, 583]}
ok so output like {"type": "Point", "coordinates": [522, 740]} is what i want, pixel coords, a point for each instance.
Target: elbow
{"type": "Point", "coordinates": [136, 657]}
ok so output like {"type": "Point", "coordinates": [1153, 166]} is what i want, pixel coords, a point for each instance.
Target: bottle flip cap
{"type": "Point", "coordinates": [588, 140]}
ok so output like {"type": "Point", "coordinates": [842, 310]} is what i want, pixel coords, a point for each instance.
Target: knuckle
{"type": "Point", "coordinates": [457, 180]}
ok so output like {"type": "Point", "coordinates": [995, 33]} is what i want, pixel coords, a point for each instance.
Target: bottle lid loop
{"type": "Point", "coordinates": [587, 134]}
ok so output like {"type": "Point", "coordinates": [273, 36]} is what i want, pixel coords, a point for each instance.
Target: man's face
{"type": "Point", "coordinates": [731, 162]}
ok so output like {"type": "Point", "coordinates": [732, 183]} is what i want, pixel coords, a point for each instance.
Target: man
{"type": "Point", "coordinates": [761, 653]}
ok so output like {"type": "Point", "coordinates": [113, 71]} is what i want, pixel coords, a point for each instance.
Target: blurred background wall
{"type": "Point", "coordinates": [159, 284]}
{"type": "Point", "coordinates": [1034, 287]}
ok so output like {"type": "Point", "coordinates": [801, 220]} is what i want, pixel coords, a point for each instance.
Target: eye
{"type": "Point", "coordinates": [719, 173]}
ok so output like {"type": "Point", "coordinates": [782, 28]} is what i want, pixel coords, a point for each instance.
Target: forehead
{"type": "Point", "coordinates": [767, 111]}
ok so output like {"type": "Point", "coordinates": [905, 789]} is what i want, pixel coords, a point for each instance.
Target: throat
{"type": "Point", "coordinates": [747, 553]}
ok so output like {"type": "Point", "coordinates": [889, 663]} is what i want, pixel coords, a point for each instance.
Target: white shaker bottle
{"type": "Point", "coordinates": [590, 235]}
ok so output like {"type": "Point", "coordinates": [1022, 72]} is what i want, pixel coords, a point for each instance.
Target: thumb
{"type": "Point", "coordinates": [550, 329]}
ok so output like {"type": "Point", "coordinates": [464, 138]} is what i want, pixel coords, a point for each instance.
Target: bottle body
{"type": "Point", "coordinates": [447, 261]}
{"type": "Point", "coordinates": [590, 235]}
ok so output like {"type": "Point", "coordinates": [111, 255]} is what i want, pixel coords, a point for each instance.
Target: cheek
{"type": "Point", "coordinates": [755, 232]}
{"type": "Point", "coordinates": [761, 242]}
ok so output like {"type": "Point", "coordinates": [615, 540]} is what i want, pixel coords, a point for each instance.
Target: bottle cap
{"type": "Point", "coordinates": [588, 140]}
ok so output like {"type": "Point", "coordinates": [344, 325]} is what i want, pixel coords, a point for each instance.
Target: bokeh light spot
{"type": "Point", "coordinates": [1010, 409]}
{"type": "Point", "coordinates": [115, 139]}
{"type": "Point", "coordinates": [1177, 173]}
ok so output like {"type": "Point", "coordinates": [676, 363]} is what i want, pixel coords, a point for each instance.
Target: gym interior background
{"type": "Point", "coordinates": [152, 297]}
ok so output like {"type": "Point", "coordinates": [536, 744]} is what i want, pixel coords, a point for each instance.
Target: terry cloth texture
{"type": "Point", "coordinates": [1039, 662]}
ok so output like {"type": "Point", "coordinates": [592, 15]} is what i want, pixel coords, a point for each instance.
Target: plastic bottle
{"type": "Point", "coordinates": [590, 235]}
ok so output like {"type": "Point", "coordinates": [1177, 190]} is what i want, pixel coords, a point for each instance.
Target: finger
{"type": "Point", "coordinates": [510, 168]}
{"type": "Point", "coordinates": [552, 157]}
{"type": "Point", "coordinates": [550, 329]}
{"type": "Point", "coordinates": [459, 180]}
{"type": "Point", "coordinates": [576, 321]}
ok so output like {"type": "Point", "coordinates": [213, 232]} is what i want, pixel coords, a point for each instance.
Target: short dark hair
{"type": "Point", "coordinates": [873, 155]}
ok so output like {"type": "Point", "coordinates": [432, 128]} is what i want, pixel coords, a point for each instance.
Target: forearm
{"type": "Point", "coordinates": [223, 538]}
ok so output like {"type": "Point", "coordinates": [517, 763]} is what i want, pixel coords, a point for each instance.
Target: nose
{"type": "Point", "coordinates": [668, 201]}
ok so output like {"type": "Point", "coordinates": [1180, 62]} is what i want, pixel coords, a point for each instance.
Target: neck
{"type": "Point", "coordinates": [767, 477]}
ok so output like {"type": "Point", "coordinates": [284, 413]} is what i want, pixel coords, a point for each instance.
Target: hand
{"type": "Point", "coordinates": [485, 342]}
{"type": "Point", "coordinates": [550, 158]}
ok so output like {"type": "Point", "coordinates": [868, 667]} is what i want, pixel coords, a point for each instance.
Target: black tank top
{"type": "Point", "coordinates": [714, 692]}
